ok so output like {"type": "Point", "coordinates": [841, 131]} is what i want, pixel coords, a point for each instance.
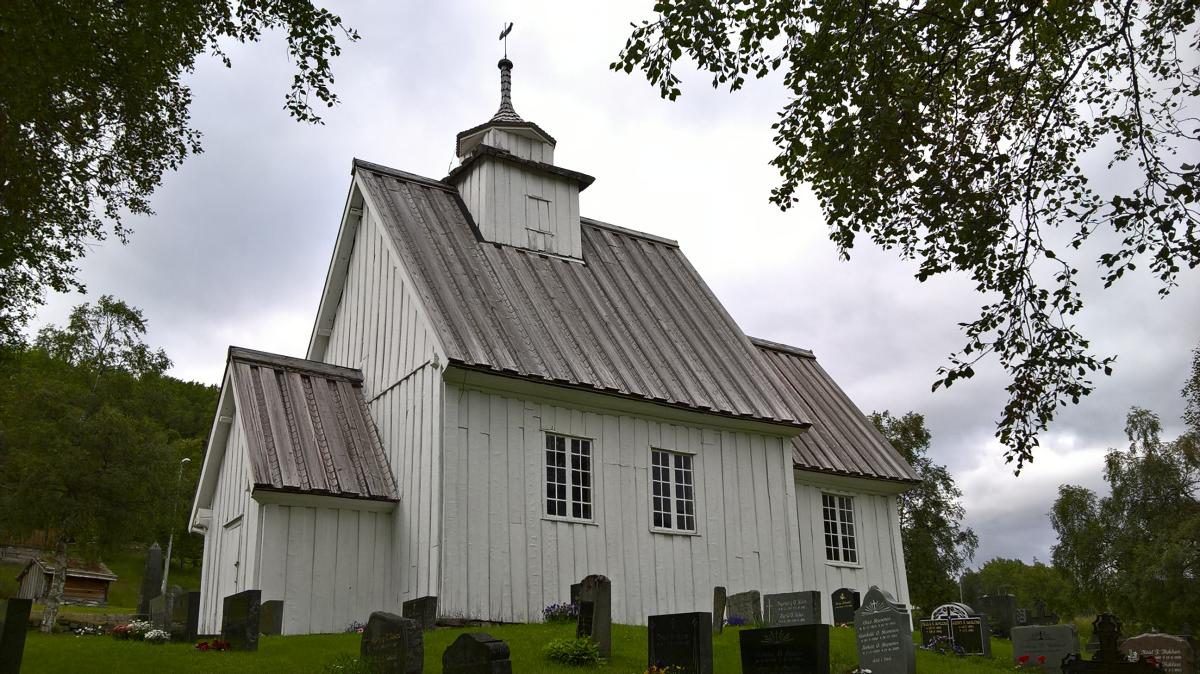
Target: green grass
{"type": "Point", "coordinates": [59, 653]}
{"type": "Point", "coordinates": [8, 578]}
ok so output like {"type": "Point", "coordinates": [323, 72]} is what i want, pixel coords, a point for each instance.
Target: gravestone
{"type": "Point", "coordinates": [972, 635]}
{"type": "Point", "coordinates": [1108, 659]}
{"type": "Point", "coordinates": [845, 602]}
{"type": "Point", "coordinates": [792, 608]}
{"type": "Point", "coordinates": [595, 612]}
{"type": "Point", "coordinates": [959, 627]}
{"type": "Point", "coordinates": [1001, 610]}
{"type": "Point", "coordinates": [718, 614]}
{"type": "Point", "coordinates": [884, 633]}
{"type": "Point", "coordinates": [1039, 616]}
{"type": "Point", "coordinates": [798, 649]}
{"type": "Point", "coordinates": [393, 644]}
{"type": "Point", "coordinates": [191, 627]}
{"type": "Point", "coordinates": [14, 624]}
{"type": "Point", "coordinates": [159, 617]}
{"type": "Point", "coordinates": [476, 653]}
{"type": "Point", "coordinates": [1174, 654]}
{"type": "Point", "coordinates": [746, 605]}
{"type": "Point", "coordinates": [575, 590]}
{"type": "Point", "coordinates": [681, 640]}
{"type": "Point", "coordinates": [1044, 646]}
{"type": "Point", "coordinates": [270, 617]}
{"type": "Point", "coordinates": [239, 620]}
{"type": "Point", "coordinates": [181, 607]}
{"type": "Point", "coordinates": [933, 630]}
{"type": "Point", "coordinates": [423, 610]}
{"type": "Point", "coordinates": [1022, 617]}
{"type": "Point", "coordinates": [151, 579]}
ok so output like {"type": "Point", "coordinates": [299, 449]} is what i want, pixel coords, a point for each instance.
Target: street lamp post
{"type": "Point", "coordinates": [171, 538]}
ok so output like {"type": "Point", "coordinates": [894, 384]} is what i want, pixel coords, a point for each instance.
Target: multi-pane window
{"type": "Point", "coordinates": [838, 512]}
{"type": "Point", "coordinates": [568, 477]}
{"type": "Point", "coordinates": [673, 491]}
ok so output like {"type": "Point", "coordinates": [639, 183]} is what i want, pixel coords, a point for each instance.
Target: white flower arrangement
{"type": "Point", "coordinates": [139, 628]}
{"type": "Point", "coordinates": [156, 636]}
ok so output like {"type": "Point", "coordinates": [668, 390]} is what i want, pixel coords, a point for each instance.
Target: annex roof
{"type": "Point", "coordinates": [632, 319]}
{"type": "Point", "coordinates": [307, 427]}
{"type": "Point", "coordinates": [75, 567]}
{"type": "Point", "coordinates": [842, 439]}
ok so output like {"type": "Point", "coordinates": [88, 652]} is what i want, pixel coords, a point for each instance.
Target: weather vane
{"type": "Point", "coordinates": [504, 36]}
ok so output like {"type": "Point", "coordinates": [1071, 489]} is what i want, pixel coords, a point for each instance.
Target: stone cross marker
{"type": "Point", "coordinates": [845, 602]}
{"type": "Point", "coordinates": [270, 617]}
{"type": "Point", "coordinates": [151, 579]}
{"type": "Point", "coordinates": [1044, 646]}
{"type": "Point", "coordinates": [595, 612]}
{"type": "Point", "coordinates": [792, 608]}
{"type": "Point", "coordinates": [1108, 659]}
{"type": "Point", "coordinates": [884, 633]}
{"type": "Point", "coordinates": [239, 620]}
{"type": "Point", "coordinates": [718, 614]}
{"type": "Point", "coordinates": [14, 624]}
{"type": "Point", "coordinates": [1174, 654]}
{"type": "Point", "coordinates": [798, 649]}
{"type": "Point", "coordinates": [681, 640]}
{"type": "Point", "coordinates": [423, 610]}
{"type": "Point", "coordinates": [747, 605]}
{"type": "Point", "coordinates": [393, 645]}
{"type": "Point", "coordinates": [476, 653]}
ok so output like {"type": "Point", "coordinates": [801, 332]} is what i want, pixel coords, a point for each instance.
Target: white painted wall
{"type": "Point", "coordinates": [500, 196]}
{"type": "Point", "coordinates": [521, 143]}
{"type": "Point", "coordinates": [228, 544]}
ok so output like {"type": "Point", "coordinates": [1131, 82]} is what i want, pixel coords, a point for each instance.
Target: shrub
{"type": "Point", "coordinates": [560, 613]}
{"type": "Point", "coordinates": [580, 651]}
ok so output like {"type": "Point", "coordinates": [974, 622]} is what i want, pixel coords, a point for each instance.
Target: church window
{"type": "Point", "coordinates": [568, 477]}
{"type": "Point", "coordinates": [838, 512]}
{"type": "Point", "coordinates": [673, 491]}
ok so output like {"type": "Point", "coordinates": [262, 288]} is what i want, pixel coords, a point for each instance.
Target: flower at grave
{"type": "Point", "coordinates": [1041, 659]}
{"type": "Point", "coordinates": [736, 621]}
{"type": "Point", "coordinates": [121, 631]}
{"type": "Point", "coordinates": [354, 628]}
{"type": "Point", "coordinates": [203, 646]}
{"type": "Point", "coordinates": [1023, 659]}
{"type": "Point", "coordinates": [560, 613]}
{"type": "Point", "coordinates": [157, 636]}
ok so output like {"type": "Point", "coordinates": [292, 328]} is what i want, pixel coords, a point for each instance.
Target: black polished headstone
{"type": "Point", "coordinates": [797, 649]}
{"type": "Point", "coordinates": [191, 626]}
{"type": "Point", "coordinates": [477, 653]}
{"type": "Point", "coordinates": [423, 610]}
{"type": "Point", "coordinates": [1001, 610]}
{"type": "Point", "coordinates": [392, 644]}
{"type": "Point", "coordinates": [934, 629]}
{"type": "Point", "coordinates": [845, 602]}
{"type": "Point", "coordinates": [14, 624]}
{"type": "Point", "coordinates": [883, 630]}
{"type": "Point", "coordinates": [1108, 659]}
{"type": "Point", "coordinates": [576, 588]}
{"type": "Point", "coordinates": [681, 640]}
{"type": "Point", "coordinates": [972, 635]}
{"type": "Point", "coordinates": [595, 612]}
{"type": "Point", "coordinates": [718, 614]}
{"type": "Point", "coordinates": [792, 608]}
{"type": "Point", "coordinates": [1044, 646]}
{"type": "Point", "coordinates": [239, 620]}
{"type": "Point", "coordinates": [270, 617]}
{"type": "Point", "coordinates": [152, 576]}
{"type": "Point", "coordinates": [745, 605]}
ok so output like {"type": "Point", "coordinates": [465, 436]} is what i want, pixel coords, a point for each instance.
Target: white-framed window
{"type": "Point", "coordinates": [568, 477]}
{"type": "Point", "coordinates": [838, 513]}
{"type": "Point", "coordinates": [672, 491]}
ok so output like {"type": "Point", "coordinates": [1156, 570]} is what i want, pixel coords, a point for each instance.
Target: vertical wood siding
{"type": "Point", "coordinates": [228, 550]}
{"type": "Point", "coordinates": [381, 329]}
{"type": "Point", "coordinates": [521, 146]}
{"type": "Point", "coordinates": [503, 561]}
{"type": "Point", "coordinates": [330, 566]}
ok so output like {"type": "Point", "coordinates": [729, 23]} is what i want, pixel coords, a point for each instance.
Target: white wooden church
{"type": "Point", "coordinates": [501, 396]}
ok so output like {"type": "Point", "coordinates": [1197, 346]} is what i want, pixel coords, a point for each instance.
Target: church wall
{"type": "Point", "coordinates": [381, 329]}
{"type": "Point", "coordinates": [503, 560]}
{"type": "Point", "coordinates": [513, 205]}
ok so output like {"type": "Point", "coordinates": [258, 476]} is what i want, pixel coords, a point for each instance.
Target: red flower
{"type": "Point", "coordinates": [1023, 659]}
{"type": "Point", "coordinates": [1041, 659]}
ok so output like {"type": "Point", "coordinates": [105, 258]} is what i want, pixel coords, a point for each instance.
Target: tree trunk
{"type": "Point", "coordinates": [57, 584]}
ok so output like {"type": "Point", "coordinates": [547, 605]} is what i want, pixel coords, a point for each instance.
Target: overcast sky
{"type": "Point", "coordinates": [238, 249]}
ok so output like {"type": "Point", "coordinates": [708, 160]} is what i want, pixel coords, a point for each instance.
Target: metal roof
{"type": "Point", "coordinates": [75, 567]}
{"type": "Point", "coordinates": [842, 439]}
{"type": "Point", "coordinates": [633, 318]}
{"type": "Point", "coordinates": [307, 427]}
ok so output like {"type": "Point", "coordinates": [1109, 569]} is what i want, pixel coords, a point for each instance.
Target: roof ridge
{"type": "Point", "coordinates": [293, 363]}
{"type": "Point", "coordinates": [780, 346]}
{"type": "Point", "coordinates": [628, 232]}
{"type": "Point", "coordinates": [403, 175]}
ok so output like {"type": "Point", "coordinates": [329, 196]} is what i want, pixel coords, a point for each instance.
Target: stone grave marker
{"type": "Point", "coordinates": [1039, 616]}
{"type": "Point", "coordinates": [239, 620]}
{"type": "Point", "coordinates": [1108, 659]}
{"type": "Point", "coordinates": [958, 627]}
{"type": "Point", "coordinates": [747, 605]}
{"type": "Point", "coordinates": [423, 610]}
{"type": "Point", "coordinates": [718, 614]}
{"type": "Point", "coordinates": [152, 576]}
{"type": "Point", "coordinates": [595, 612]}
{"type": "Point", "coordinates": [792, 608]}
{"type": "Point", "coordinates": [972, 635]}
{"type": "Point", "coordinates": [1174, 654]}
{"type": "Point", "coordinates": [1044, 646]}
{"type": "Point", "coordinates": [1001, 610]}
{"type": "Point", "coordinates": [393, 644]}
{"type": "Point", "coordinates": [181, 608]}
{"type": "Point", "coordinates": [270, 617]}
{"type": "Point", "coordinates": [681, 640]}
{"type": "Point", "coordinates": [796, 649]}
{"type": "Point", "coordinates": [576, 588]}
{"type": "Point", "coordinates": [932, 630]}
{"type": "Point", "coordinates": [159, 617]}
{"type": "Point", "coordinates": [884, 634]}
{"type": "Point", "coordinates": [191, 625]}
{"type": "Point", "coordinates": [845, 602]}
{"type": "Point", "coordinates": [476, 653]}
{"type": "Point", "coordinates": [14, 624]}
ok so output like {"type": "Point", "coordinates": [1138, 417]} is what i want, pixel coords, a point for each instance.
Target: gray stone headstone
{"type": "Point", "coordinates": [1174, 654]}
{"type": "Point", "coordinates": [1044, 646]}
{"type": "Point", "coordinates": [798, 649]}
{"type": "Point", "coordinates": [393, 644]}
{"type": "Point", "coordinates": [595, 612]}
{"type": "Point", "coordinates": [423, 610]}
{"type": "Point", "coordinates": [152, 574]}
{"type": "Point", "coordinates": [1001, 610]}
{"type": "Point", "coordinates": [792, 608]}
{"type": "Point", "coordinates": [239, 620]}
{"type": "Point", "coordinates": [14, 624]}
{"type": "Point", "coordinates": [718, 614]}
{"type": "Point", "coordinates": [159, 616]}
{"type": "Point", "coordinates": [883, 630]}
{"type": "Point", "coordinates": [270, 617]}
{"type": "Point", "coordinates": [476, 653]}
{"type": "Point", "coordinates": [1109, 659]}
{"type": "Point", "coordinates": [176, 612]}
{"type": "Point", "coordinates": [845, 602]}
{"type": "Point", "coordinates": [747, 605]}
{"type": "Point", "coordinates": [681, 640]}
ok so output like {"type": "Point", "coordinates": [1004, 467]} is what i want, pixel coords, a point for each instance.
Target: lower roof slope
{"type": "Point", "coordinates": [842, 439]}
{"type": "Point", "coordinates": [307, 427]}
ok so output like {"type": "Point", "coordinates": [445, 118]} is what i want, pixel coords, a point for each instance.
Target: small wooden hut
{"type": "Point", "coordinates": [87, 582]}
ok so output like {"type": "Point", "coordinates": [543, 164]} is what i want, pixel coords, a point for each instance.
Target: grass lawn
{"type": "Point", "coordinates": [61, 653]}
